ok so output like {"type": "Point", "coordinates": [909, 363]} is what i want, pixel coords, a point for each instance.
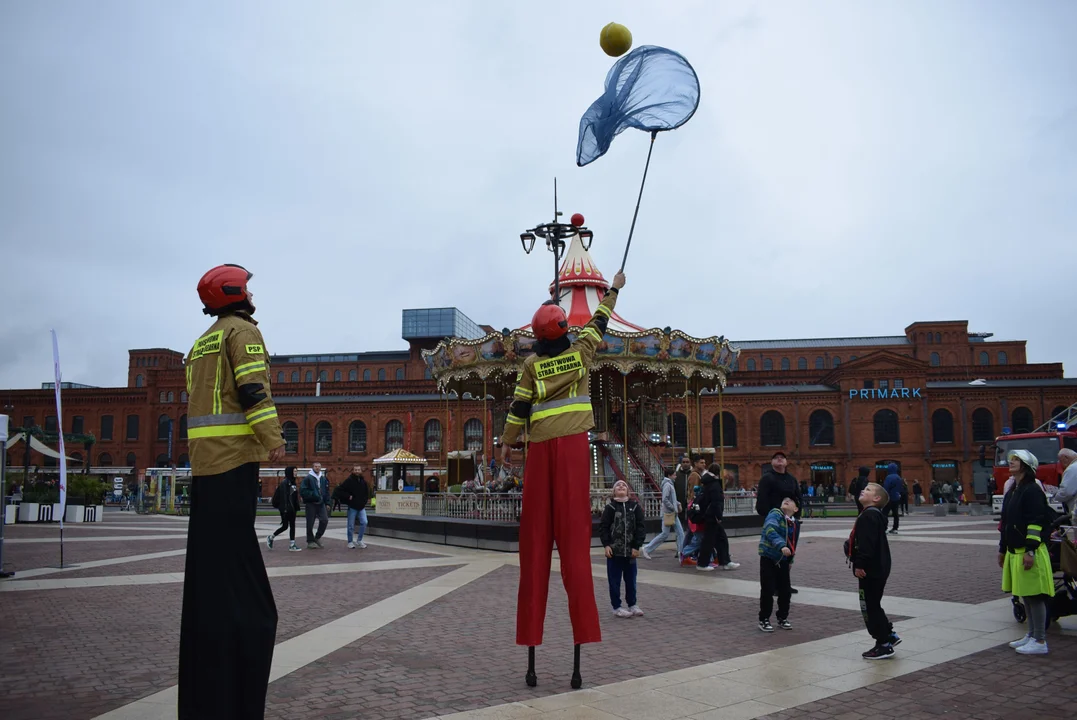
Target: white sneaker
{"type": "Point", "coordinates": [351, 546]}
{"type": "Point", "coordinates": [636, 611]}
{"type": "Point", "coordinates": [361, 545]}
{"type": "Point", "coordinates": [294, 548]}
{"type": "Point", "coordinates": [731, 565]}
{"type": "Point", "coordinates": [1018, 643]}
{"type": "Point", "coordinates": [709, 568]}
{"type": "Point", "coordinates": [645, 554]}
{"type": "Point", "coordinates": [1033, 647]}
{"type": "Point", "coordinates": [622, 612]}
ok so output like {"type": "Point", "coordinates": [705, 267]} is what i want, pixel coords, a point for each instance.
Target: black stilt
{"type": "Point", "coordinates": [532, 679]}
{"type": "Point", "coordinates": [577, 681]}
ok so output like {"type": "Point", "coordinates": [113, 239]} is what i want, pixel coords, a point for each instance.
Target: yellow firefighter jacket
{"type": "Point", "coordinates": [552, 392]}
{"type": "Point", "coordinates": [231, 418]}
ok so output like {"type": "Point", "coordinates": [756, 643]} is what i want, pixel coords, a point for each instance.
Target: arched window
{"type": "Point", "coordinates": [942, 426]}
{"type": "Point", "coordinates": [984, 358]}
{"type": "Point", "coordinates": [802, 363]}
{"type": "Point", "coordinates": [394, 435]}
{"type": "Point", "coordinates": [473, 434]}
{"type": "Point", "coordinates": [308, 376]}
{"type": "Point", "coordinates": [336, 376]}
{"type": "Point", "coordinates": [183, 396]}
{"type": "Point", "coordinates": [104, 460]}
{"type": "Point", "coordinates": [938, 338]}
{"type": "Point", "coordinates": [886, 427]}
{"type": "Point", "coordinates": [132, 427]}
{"type": "Point", "coordinates": [162, 461]}
{"type": "Point", "coordinates": [291, 437]}
{"type": "Point", "coordinates": [357, 437]}
{"type": "Point", "coordinates": [1060, 410]}
{"type": "Point", "coordinates": [171, 397]}
{"type": "Point", "coordinates": [366, 375]}
{"type": "Point", "coordinates": [820, 428]}
{"type": "Point", "coordinates": [162, 397]}
{"type": "Point", "coordinates": [768, 364]}
{"type": "Point", "coordinates": [323, 437]}
{"type": "Point", "coordinates": [935, 359]}
{"type": "Point", "coordinates": [353, 375]}
{"type": "Point", "coordinates": [772, 429]}
{"type": "Point", "coordinates": [751, 365]}
{"type": "Point", "coordinates": [184, 461]}
{"type": "Point", "coordinates": [983, 426]}
{"type": "Point", "coordinates": [728, 435]}
{"type": "Point", "coordinates": [132, 461]}
{"type": "Point", "coordinates": [678, 429]}
{"type": "Point", "coordinates": [323, 376]}
{"type": "Point", "coordinates": [820, 364]}
{"type": "Point", "coordinates": [77, 457]}
{"type": "Point", "coordinates": [432, 436]}
{"type": "Point", "coordinates": [400, 373]}
{"type": "Point", "coordinates": [381, 374]}
{"type": "Point", "coordinates": [835, 362]}
{"type": "Point", "coordinates": [183, 427]}
{"type": "Point", "coordinates": [280, 376]}
{"type": "Point", "coordinates": [852, 357]}
{"type": "Point", "coordinates": [138, 381]}
{"type": "Point", "coordinates": [1022, 420]}
{"type": "Point", "coordinates": [1002, 359]}
{"type": "Point", "coordinates": [295, 376]}
{"type": "Point", "coordinates": [930, 338]}
{"type": "Point", "coordinates": [163, 427]}
{"type": "Point", "coordinates": [785, 363]}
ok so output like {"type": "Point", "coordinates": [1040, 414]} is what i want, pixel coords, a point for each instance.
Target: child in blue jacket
{"type": "Point", "coordinates": [777, 546]}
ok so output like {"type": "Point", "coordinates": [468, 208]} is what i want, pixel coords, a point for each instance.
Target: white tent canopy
{"type": "Point", "coordinates": [36, 445]}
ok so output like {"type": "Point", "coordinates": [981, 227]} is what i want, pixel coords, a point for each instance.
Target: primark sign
{"type": "Point", "coordinates": [902, 393]}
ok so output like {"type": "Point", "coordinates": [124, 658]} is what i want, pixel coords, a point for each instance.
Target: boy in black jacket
{"type": "Point", "coordinates": [622, 532]}
{"type": "Point", "coordinates": [869, 552]}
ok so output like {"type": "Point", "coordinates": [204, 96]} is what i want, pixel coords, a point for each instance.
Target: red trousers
{"type": "Point", "coordinates": [557, 506]}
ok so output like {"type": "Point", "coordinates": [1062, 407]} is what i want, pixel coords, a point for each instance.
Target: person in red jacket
{"type": "Point", "coordinates": [552, 399]}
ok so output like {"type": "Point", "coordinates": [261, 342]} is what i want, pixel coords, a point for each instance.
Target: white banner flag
{"type": "Point", "coordinates": [60, 431]}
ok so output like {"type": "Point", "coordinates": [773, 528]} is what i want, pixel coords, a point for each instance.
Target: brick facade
{"type": "Point", "coordinates": [825, 377]}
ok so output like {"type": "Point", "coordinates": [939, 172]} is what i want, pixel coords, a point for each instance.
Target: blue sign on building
{"type": "Point", "coordinates": [902, 393]}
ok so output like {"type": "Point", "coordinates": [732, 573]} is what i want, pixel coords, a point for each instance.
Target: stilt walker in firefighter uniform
{"type": "Point", "coordinates": [552, 395]}
{"type": "Point", "coordinates": [229, 621]}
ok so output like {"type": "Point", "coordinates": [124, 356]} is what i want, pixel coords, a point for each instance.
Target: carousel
{"type": "Point", "coordinates": [638, 379]}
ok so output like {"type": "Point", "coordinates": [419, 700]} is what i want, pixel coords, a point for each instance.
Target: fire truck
{"type": "Point", "coordinates": [1044, 442]}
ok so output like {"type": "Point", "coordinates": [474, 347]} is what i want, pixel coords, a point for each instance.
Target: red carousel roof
{"type": "Point", "coordinates": [582, 289]}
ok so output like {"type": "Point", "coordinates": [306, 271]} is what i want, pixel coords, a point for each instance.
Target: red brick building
{"type": "Point", "coordinates": [929, 399]}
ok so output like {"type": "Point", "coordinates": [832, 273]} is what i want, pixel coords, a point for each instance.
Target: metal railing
{"type": "Point", "coordinates": [506, 507]}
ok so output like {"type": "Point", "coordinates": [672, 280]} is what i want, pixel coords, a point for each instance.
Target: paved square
{"type": "Point", "coordinates": [412, 630]}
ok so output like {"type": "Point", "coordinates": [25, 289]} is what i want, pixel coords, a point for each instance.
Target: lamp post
{"type": "Point", "coordinates": [555, 233]}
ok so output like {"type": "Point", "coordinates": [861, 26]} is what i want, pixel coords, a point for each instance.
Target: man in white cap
{"type": "Point", "coordinates": [1067, 488]}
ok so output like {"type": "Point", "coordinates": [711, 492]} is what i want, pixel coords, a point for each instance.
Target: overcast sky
{"type": "Point", "coordinates": [853, 167]}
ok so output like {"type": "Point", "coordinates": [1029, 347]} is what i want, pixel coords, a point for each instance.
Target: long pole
{"type": "Point", "coordinates": [624, 418]}
{"type": "Point", "coordinates": [721, 435]}
{"type": "Point", "coordinates": [632, 229]}
{"type": "Point", "coordinates": [3, 474]}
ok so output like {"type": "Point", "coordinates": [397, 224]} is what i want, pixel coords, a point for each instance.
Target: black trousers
{"type": "Point", "coordinates": [715, 544]}
{"type": "Point", "coordinates": [287, 522]}
{"type": "Point", "coordinates": [774, 577]}
{"type": "Point", "coordinates": [893, 510]}
{"type": "Point", "coordinates": [871, 598]}
{"type": "Point", "coordinates": [229, 621]}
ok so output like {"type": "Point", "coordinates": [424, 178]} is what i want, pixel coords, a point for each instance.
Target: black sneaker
{"type": "Point", "coordinates": [794, 591]}
{"type": "Point", "coordinates": [879, 652]}
{"type": "Point", "coordinates": [785, 625]}
{"type": "Point", "coordinates": [894, 639]}
{"type": "Point", "coordinates": [765, 626]}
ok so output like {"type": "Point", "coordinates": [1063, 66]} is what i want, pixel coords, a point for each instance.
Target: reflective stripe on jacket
{"type": "Point", "coordinates": [231, 417]}
{"type": "Point", "coordinates": [554, 390]}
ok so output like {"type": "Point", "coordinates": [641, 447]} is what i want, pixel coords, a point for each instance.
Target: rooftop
{"type": "Point", "coordinates": [821, 342]}
{"type": "Point", "coordinates": [383, 356]}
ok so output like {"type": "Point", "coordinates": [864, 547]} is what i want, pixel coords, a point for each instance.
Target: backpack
{"type": "Point", "coordinates": [276, 502]}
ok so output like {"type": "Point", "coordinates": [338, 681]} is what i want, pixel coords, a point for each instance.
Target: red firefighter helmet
{"type": "Point", "coordinates": [550, 322]}
{"type": "Point", "coordinates": [224, 285]}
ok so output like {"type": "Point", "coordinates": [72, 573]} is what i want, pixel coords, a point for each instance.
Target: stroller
{"type": "Point", "coordinates": [1064, 603]}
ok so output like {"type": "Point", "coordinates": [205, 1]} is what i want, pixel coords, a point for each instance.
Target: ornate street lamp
{"type": "Point", "coordinates": [555, 233]}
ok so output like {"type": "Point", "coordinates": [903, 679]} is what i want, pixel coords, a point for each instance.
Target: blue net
{"type": "Point", "coordinates": [651, 88]}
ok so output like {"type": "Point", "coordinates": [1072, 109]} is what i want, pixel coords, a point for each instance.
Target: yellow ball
{"type": "Point", "coordinates": [615, 39]}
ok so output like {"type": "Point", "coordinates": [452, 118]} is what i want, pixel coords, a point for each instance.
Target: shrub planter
{"type": "Point", "coordinates": [10, 513]}
{"type": "Point", "coordinates": [940, 511]}
{"type": "Point", "coordinates": [56, 513]}
{"type": "Point", "coordinates": [75, 514]}
{"type": "Point", "coordinates": [93, 513]}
